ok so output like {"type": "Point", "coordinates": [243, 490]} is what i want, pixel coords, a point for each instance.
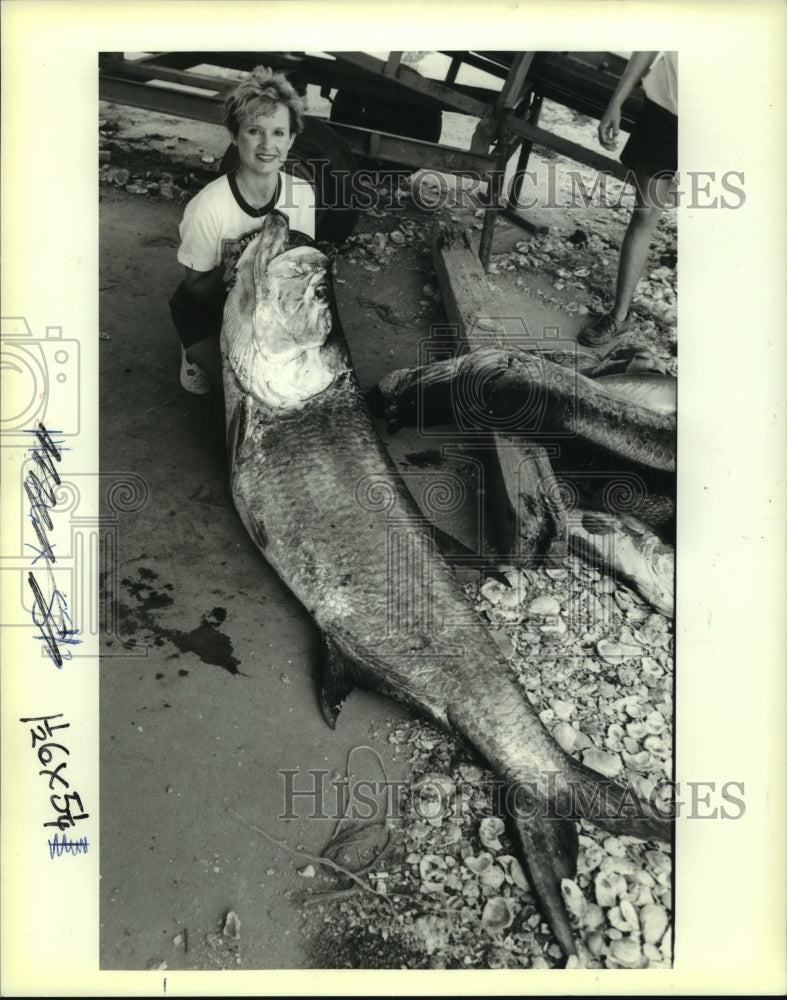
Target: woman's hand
{"type": "Point", "coordinates": [609, 127]}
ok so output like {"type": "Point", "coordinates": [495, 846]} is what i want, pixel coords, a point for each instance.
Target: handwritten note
{"type": "Point", "coordinates": [50, 610]}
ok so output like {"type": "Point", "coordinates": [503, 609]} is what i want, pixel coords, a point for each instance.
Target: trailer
{"type": "Point", "coordinates": [386, 112]}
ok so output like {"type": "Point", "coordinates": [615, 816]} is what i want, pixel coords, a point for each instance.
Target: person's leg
{"type": "Point", "coordinates": [198, 325]}
{"type": "Point", "coordinates": [207, 354]}
{"type": "Point", "coordinates": [652, 194]}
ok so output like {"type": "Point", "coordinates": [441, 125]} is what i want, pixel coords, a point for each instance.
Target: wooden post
{"type": "Point", "coordinates": [392, 63]}
{"type": "Point", "coordinates": [514, 84]}
{"type": "Point", "coordinates": [453, 72]}
{"type": "Point", "coordinates": [529, 521]}
{"type": "Point", "coordinates": [507, 101]}
{"type": "Point", "coordinates": [511, 209]}
{"type": "Point", "coordinates": [494, 189]}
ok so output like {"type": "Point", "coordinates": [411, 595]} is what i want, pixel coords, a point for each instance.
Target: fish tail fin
{"type": "Point", "coordinates": [618, 809]}
{"type": "Point", "coordinates": [550, 849]}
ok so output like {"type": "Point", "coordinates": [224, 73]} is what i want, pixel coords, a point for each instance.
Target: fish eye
{"type": "Point", "coordinates": [321, 293]}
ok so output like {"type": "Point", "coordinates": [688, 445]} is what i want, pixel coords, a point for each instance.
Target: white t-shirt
{"type": "Point", "coordinates": [218, 222]}
{"type": "Point", "coordinates": [661, 82]}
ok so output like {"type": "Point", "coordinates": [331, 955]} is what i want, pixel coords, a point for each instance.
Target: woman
{"type": "Point", "coordinates": [264, 115]}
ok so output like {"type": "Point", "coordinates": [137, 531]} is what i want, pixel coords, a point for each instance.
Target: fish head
{"type": "Point", "coordinates": [280, 333]}
{"type": "Point", "coordinates": [294, 299]}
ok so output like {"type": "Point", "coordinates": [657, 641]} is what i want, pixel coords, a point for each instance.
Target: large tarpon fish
{"type": "Point", "coordinates": [322, 500]}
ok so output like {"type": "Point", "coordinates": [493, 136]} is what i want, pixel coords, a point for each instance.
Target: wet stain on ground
{"type": "Point", "coordinates": [210, 645]}
{"type": "Point", "coordinates": [206, 640]}
{"type": "Point", "coordinates": [144, 591]}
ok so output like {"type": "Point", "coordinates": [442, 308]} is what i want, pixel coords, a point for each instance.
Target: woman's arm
{"type": "Point", "coordinates": [609, 126]}
{"type": "Point", "coordinates": [204, 285]}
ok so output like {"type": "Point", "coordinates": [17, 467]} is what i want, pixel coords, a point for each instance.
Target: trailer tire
{"type": "Point", "coordinates": [325, 160]}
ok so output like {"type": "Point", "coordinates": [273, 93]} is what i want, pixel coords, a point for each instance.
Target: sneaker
{"type": "Point", "coordinates": [603, 330]}
{"type": "Point", "coordinates": [192, 377]}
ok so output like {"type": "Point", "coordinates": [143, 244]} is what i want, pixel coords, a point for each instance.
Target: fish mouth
{"type": "Point", "coordinates": [272, 241]}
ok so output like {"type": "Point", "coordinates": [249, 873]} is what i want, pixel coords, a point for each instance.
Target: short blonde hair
{"type": "Point", "coordinates": [260, 94]}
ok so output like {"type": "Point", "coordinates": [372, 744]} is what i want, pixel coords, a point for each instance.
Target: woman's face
{"type": "Point", "coordinates": [264, 141]}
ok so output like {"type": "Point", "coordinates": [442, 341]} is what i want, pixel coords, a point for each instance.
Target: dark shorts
{"type": "Point", "coordinates": [195, 320]}
{"type": "Point", "coordinates": [653, 144]}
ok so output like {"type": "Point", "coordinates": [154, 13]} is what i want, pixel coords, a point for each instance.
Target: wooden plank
{"type": "Point", "coordinates": [572, 150]}
{"type": "Point", "coordinates": [514, 85]}
{"type": "Point", "coordinates": [409, 78]}
{"type": "Point", "coordinates": [200, 107]}
{"type": "Point", "coordinates": [527, 522]}
{"type": "Point", "coordinates": [413, 152]}
{"type": "Point", "coordinates": [144, 71]}
{"type": "Point", "coordinates": [488, 62]}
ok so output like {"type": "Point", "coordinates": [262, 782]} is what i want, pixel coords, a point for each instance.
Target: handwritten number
{"type": "Point", "coordinates": [55, 774]}
{"type": "Point", "coordinates": [66, 819]}
{"type": "Point", "coordinates": [44, 751]}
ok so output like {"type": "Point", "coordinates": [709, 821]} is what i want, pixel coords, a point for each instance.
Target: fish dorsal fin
{"type": "Point", "coordinates": [337, 679]}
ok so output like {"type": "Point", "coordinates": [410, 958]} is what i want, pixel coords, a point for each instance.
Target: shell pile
{"type": "Point", "coordinates": [596, 663]}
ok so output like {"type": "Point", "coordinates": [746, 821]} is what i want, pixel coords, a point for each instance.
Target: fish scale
{"type": "Point", "coordinates": [322, 500]}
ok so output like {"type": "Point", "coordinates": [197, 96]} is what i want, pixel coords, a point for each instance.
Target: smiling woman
{"type": "Point", "coordinates": [263, 114]}
{"type": "Point", "coordinates": [263, 143]}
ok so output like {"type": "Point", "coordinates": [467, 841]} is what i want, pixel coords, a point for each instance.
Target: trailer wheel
{"type": "Point", "coordinates": [325, 160]}
{"type": "Point", "coordinates": [407, 118]}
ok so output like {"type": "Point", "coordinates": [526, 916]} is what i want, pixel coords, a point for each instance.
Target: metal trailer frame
{"type": "Point", "coordinates": [507, 117]}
